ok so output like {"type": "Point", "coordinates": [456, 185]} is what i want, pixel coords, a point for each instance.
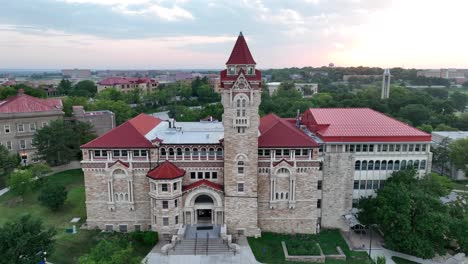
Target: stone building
{"type": "Point", "coordinates": [102, 121]}
{"type": "Point", "coordinates": [127, 84]}
{"type": "Point", "coordinates": [20, 117]}
{"type": "Point", "coordinates": [246, 172]}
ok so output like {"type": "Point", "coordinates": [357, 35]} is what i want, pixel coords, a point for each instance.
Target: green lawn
{"type": "Point", "coordinates": [460, 185]}
{"type": "Point", "coordinates": [68, 247]}
{"type": "Point", "coordinates": [267, 249]}
{"type": "Point", "coordinates": [399, 260]}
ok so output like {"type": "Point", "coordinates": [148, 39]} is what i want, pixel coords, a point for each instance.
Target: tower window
{"type": "Point", "coordinates": [240, 167]}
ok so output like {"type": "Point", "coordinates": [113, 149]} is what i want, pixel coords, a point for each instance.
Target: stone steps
{"type": "Point", "coordinates": [187, 247]}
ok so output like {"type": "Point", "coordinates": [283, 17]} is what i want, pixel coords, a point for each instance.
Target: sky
{"type": "Point", "coordinates": [200, 34]}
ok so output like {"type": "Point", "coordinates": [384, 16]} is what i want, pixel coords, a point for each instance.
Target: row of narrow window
{"type": "Point", "coordinates": [368, 184]}
{"type": "Point", "coordinates": [389, 165]}
{"type": "Point", "coordinates": [386, 147]}
{"type": "Point", "coordinates": [194, 151]}
{"type": "Point", "coordinates": [283, 152]}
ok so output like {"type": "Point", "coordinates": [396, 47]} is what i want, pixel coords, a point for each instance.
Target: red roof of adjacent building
{"type": "Point", "coordinates": [359, 125]}
{"type": "Point", "coordinates": [23, 103]}
{"type": "Point", "coordinates": [279, 132]}
{"type": "Point", "coordinates": [166, 171]}
{"type": "Point", "coordinates": [208, 183]}
{"type": "Point", "coordinates": [130, 134]}
{"type": "Point", "coordinates": [240, 53]}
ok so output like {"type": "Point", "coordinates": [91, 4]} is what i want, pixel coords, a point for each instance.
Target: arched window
{"type": "Point", "coordinates": [126, 197]}
{"type": "Point", "coordinates": [416, 164]}
{"type": "Point", "coordinates": [410, 163]}
{"type": "Point", "coordinates": [118, 172]}
{"type": "Point", "coordinates": [203, 152]}
{"type": "Point", "coordinates": [403, 165]}
{"type": "Point", "coordinates": [357, 165]}
{"type": "Point", "coordinates": [116, 197]}
{"type": "Point", "coordinates": [243, 102]}
{"type": "Point", "coordinates": [422, 166]}
{"type": "Point", "coordinates": [240, 167]}
{"type": "Point", "coordinates": [179, 152]}
{"type": "Point", "coordinates": [281, 196]}
{"type": "Point", "coordinates": [219, 152]}
{"type": "Point", "coordinates": [171, 152]}
{"type": "Point", "coordinates": [377, 165]}
{"type": "Point", "coordinates": [396, 166]}
{"type": "Point", "coordinates": [187, 152]}
{"type": "Point", "coordinates": [370, 166]}
{"type": "Point", "coordinates": [364, 165]}
{"type": "Point", "coordinates": [238, 103]}
{"type": "Point", "coordinates": [195, 152]}
{"type": "Point", "coordinates": [287, 195]}
{"type": "Point", "coordinates": [283, 172]}
{"type": "Point", "coordinates": [390, 165]}
{"type": "Point", "coordinates": [384, 165]}
{"type": "Point", "coordinates": [211, 152]}
{"type": "Point", "coordinates": [163, 151]}
{"type": "Point", "coordinates": [276, 196]}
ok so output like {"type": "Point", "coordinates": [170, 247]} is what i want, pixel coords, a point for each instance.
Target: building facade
{"type": "Point", "coordinates": [127, 84]}
{"type": "Point", "coordinates": [20, 117]}
{"type": "Point", "coordinates": [443, 139]}
{"type": "Point", "coordinates": [251, 173]}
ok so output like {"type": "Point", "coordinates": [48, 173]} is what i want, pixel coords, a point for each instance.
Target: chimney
{"type": "Point", "coordinates": [298, 120]}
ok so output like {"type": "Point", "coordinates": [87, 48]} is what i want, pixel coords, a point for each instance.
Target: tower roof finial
{"type": "Point", "coordinates": [240, 34]}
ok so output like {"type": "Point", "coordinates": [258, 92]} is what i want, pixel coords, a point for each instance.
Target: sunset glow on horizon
{"type": "Point", "coordinates": [183, 34]}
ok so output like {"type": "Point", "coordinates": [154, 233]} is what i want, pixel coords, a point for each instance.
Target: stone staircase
{"type": "Point", "coordinates": [187, 247]}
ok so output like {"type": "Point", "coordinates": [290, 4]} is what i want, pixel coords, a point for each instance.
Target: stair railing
{"type": "Point", "coordinates": [207, 241]}
{"type": "Point", "coordinates": [196, 239]}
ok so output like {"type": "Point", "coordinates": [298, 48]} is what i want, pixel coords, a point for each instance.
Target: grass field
{"type": "Point", "coordinates": [399, 260]}
{"type": "Point", "coordinates": [68, 247]}
{"type": "Point", "coordinates": [267, 249]}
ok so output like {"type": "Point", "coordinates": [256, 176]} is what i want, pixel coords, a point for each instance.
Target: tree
{"type": "Point", "coordinates": [84, 88]}
{"type": "Point", "coordinates": [20, 181]}
{"type": "Point", "coordinates": [417, 113]}
{"type": "Point", "coordinates": [110, 252]}
{"type": "Point", "coordinates": [441, 157]}
{"type": "Point", "coordinates": [64, 87]}
{"type": "Point", "coordinates": [59, 142]}
{"type": "Point", "coordinates": [426, 128]}
{"type": "Point", "coordinates": [39, 170]}
{"type": "Point", "coordinates": [70, 101]}
{"type": "Point", "coordinates": [53, 196]}
{"type": "Point", "coordinates": [8, 162]}
{"type": "Point", "coordinates": [410, 214]}
{"type": "Point", "coordinates": [459, 154]}
{"type": "Point", "coordinates": [122, 110]}
{"type": "Point", "coordinates": [444, 127]}
{"type": "Point", "coordinates": [110, 94]}
{"type": "Point", "coordinates": [23, 238]}
{"type": "Point", "coordinates": [459, 100]}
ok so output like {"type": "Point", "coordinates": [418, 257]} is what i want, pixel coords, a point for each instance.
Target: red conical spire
{"type": "Point", "coordinates": [240, 53]}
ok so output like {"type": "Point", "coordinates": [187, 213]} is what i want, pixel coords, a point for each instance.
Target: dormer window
{"type": "Point", "coordinates": [232, 70]}
{"type": "Point", "coordinates": [250, 70]}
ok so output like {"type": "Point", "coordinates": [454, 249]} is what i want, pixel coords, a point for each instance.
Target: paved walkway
{"type": "Point", "coordinates": [245, 256]}
{"type": "Point", "coordinates": [191, 231]}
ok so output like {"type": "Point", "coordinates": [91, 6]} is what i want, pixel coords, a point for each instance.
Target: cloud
{"type": "Point", "coordinates": [142, 7]}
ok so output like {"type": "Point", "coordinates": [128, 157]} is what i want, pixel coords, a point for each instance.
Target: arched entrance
{"type": "Point", "coordinates": [204, 206]}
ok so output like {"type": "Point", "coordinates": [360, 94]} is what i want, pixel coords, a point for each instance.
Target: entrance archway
{"type": "Point", "coordinates": [204, 209]}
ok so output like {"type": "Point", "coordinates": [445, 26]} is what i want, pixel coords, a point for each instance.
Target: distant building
{"type": "Point", "coordinates": [102, 121]}
{"type": "Point", "coordinates": [460, 76]}
{"type": "Point", "coordinates": [76, 73]}
{"type": "Point", "coordinates": [20, 117]}
{"type": "Point", "coordinates": [437, 138]}
{"type": "Point", "coordinates": [386, 84]}
{"type": "Point", "coordinates": [122, 73]}
{"type": "Point", "coordinates": [347, 77]}
{"type": "Point", "coordinates": [126, 85]}
{"type": "Point", "coordinates": [306, 89]}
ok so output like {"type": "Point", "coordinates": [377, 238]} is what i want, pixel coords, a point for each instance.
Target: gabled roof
{"type": "Point", "coordinates": [359, 125]}
{"type": "Point", "coordinates": [240, 53]}
{"type": "Point", "coordinates": [23, 103]}
{"type": "Point", "coordinates": [278, 132]}
{"type": "Point", "coordinates": [130, 134]}
{"type": "Point", "coordinates": [166, 171]}
{"type": "Point", "coordinates": [207, 183]}
{"type": "Point", "coordinates": [120, 162]}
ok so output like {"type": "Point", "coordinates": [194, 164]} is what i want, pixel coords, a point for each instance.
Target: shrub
{"type": "Point", "coordinates": [20, 181]}
{"type": "Point", "coordinates": [53, 196]}
{"type": "Point", "coordinates": [150, 238]}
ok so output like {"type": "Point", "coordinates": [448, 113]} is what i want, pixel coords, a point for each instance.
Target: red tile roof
{"type": "Point", "coordinates": [130, 134]}
{"type": "Point", "coordinates": [240, 53]}
{"type": "Point", "coordinates": [23, 103]}
{"type": "Point", "coordinates": [119, 161]}
{"type": "Point", "coordinates": [359, 125]}
{"type": "Point", "coordinates": [166, 171]}
{"type": "Point", "coordinates": [208, 183]}
{"type": "Point", "coordinates": [279, 132]}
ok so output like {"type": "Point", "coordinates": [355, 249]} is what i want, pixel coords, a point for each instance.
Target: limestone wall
{"type": "Point", "coordinates": [338, 172]}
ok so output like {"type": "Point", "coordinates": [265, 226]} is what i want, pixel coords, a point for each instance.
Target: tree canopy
{"type": "Point", "coordinates": [411, 216]}
{"type": "Point", "coordinates": [60, 141]}
{"type": "Point", "coordinates": [8, 162]}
